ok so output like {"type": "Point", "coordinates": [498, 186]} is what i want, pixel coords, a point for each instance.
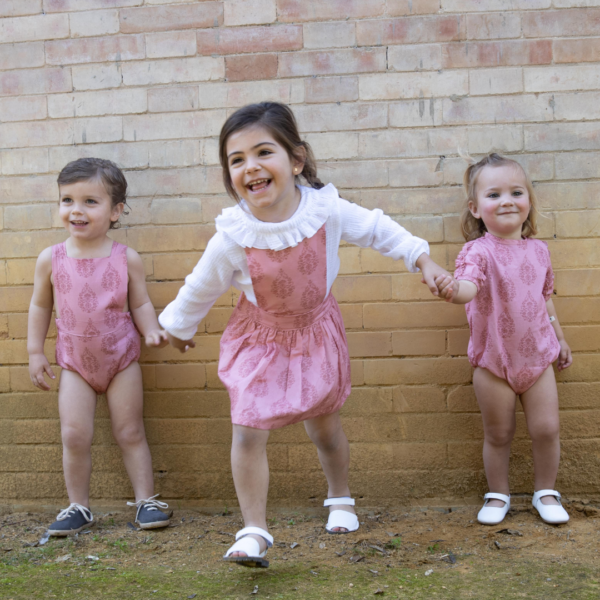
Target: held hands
{"type": "Point", "coordinates": [447, 287]}
{"type": "Point", "coordinates": [157, 338]}
{"type": "Point", "coordinates": [565, 358]}
{"type": "Point", "coordinates": [430, 271]}
{"type": "Point", "coordinates": [38, 365]}
{"type": "Point", "coordinates": [181, 345]}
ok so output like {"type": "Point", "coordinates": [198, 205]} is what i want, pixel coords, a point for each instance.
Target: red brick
{"type": "Point", "coordinates": [22, 56]}
{"type": "Point", "coordinates": [561, 23]}
{"type": "Point", "coordinates": [489, 54]}
{"type": "Point", "coordinates": [575, 51]}
{"type": "Point", "coordinates": [332, 62]}
{"type": "Point", "coordinates": [166, 18]}
{"type": "Point", "coordinates": [245, 68]}
{"type": "Point", "coordinates": [275, 38]}
{"type": "Point", "coordinates": [412, 30]}
{"type": "Point", "coordinates": [35, 81]}
{"type": "Point", "coordinates": [316, 10]}
{"type": "Point", "coordinates": [100, 49]}
{"type": "Point", "coordinates": [331, 89]}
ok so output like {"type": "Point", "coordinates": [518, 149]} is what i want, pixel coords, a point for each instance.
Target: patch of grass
{"type": "Point", "coordinates": [433, 549]}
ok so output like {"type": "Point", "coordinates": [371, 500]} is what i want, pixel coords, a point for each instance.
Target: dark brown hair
{"type": "Point", "coordinates": [279, 121]}
{"type": "Point", "coordinates": [473, 228]}
{"type": "Point", "coordinates": [85, 169]}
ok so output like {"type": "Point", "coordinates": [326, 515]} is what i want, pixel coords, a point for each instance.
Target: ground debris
{"type": "Point", "coordinates": [510, 532]}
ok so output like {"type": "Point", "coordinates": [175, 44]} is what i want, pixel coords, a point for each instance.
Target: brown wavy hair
{"type": "Point", "coordinates": [473, 228]}
{"type": "Point", "coordinates": [112, 178]}
{"type": "Point", "coordinates": [278, 119]}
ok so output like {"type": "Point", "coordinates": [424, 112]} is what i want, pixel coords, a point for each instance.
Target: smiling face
{"type": "Point", "coordinates": [86, 209]}
{"type": "Point", "coordinates": [502, 200]}
{"type": "Point", "coordinates": [263, 174]}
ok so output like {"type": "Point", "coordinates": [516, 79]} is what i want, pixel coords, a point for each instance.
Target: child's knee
{"type": "Point", "coordinates": [131, 434]}
{"type": "Point", "coordinates": [248, 439]}
{"type": "Point", "coordinates": [500, 436]}
{"type": "Point", "coordinates": [75, 438]}
{"type": "Point", "coordinates": [545, 432]}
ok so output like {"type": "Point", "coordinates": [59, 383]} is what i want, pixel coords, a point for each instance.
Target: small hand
{"type": "Point", "coordinates": [38, 365]}
{"type": "Point", "coordinates": [181, 345]}
{"type": "Point", "coordinates": [430, 271]}
{"type": "Point", "coordinates": [447, 287]}
{"type": "Point", "coordinates": [565, 358]}
{"type": "Point", "coordinates": [157, 338]}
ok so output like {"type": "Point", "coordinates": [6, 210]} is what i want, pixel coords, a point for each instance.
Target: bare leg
{"type": "Point", "coordinates": [540, 403]}
{"type": "Point", "coordinates": [251, 477]}
{"type": "Point", "coordinates": [334, 453]}
{"type": "Point", "coordinates": [126, 404]}
{"type": "Point", "coordinates": [497, 402]}
{"type": "Point", "coordinates": [76, 407]}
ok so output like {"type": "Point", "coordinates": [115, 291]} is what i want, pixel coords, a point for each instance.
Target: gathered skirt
{"type": "Point", "coordinates": [282, 369]}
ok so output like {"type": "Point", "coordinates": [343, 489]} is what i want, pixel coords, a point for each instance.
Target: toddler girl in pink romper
{"type": "Point", "coordinates": [284, 356]}
{"type": "Point", "coordinates": [98, 289]}
{"type": "Point", "coordinates": [505, 278]}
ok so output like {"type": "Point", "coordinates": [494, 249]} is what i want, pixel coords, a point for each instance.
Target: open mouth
{"type": "Point", "coordinates": [259, 185]}
{"type": "Point", "coordinates": [79, 223]}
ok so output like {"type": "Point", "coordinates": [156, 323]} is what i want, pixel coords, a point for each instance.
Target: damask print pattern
{"type": "Point", "coordinates": [282, 358]}
{"type": "Point", "coordinates": [514, 340]}
{"type": "Point", "coordinates": [85, 267]}
{"type": "Point", "coordinates": [104, 340]}
{"type": "Point", "coordinates": [111, 279]}
{"type": "Point", "coordinates": [484, 300]}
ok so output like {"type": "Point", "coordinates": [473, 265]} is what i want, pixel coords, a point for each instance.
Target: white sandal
{"type": "Point", "coordinates": [341, 518]}
{"type": "Point", "coordinates": [492, 515]}
{"type": "Point", "coordinates": [554, 514]}
{"type": "Point", "coordinates": [255, 558]}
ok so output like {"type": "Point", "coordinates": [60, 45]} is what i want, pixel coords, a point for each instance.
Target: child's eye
{"type": "Point", "coordinates": [235, 161]}
{"type": "Point", "coordinates": [66, 200]}
{"type": "Point", "coordinates": [493, 195]}
{"type": "Point", "coordinates": [91, 201]}
{"type": "Point", "coordinates": [264, 152]}
{"type": "Point", "coordinates": [517, 193]}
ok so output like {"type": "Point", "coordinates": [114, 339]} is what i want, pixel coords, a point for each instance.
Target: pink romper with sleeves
{"type": "Point", "coordinates": [287, 359]}
{"type": "Point", "coordinates": [511, 334]}
{"type": "Point", "coordinates": [95, 338]}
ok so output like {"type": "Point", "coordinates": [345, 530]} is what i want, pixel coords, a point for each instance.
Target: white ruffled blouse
{"type": "Point", "coordinates": [224, 264]}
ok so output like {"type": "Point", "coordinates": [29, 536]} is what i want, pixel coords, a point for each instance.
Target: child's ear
{"type": "Point", "coordinates": [117, 211]}
{"type": "Point", "coordinates": [473, 208]}
{"type": "Point", "coordinates": [298, 160]}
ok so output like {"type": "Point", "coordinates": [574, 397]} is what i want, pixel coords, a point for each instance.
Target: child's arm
{"type": "Point", "coordinates": [40, 313]}
{"type": "Point", "coordinates": [565, 358]}
{"type": "Point", "coordinates": [140, 305]}
{"type": "Point", "coordinates": [457, 292]}
{"type": "Point", "coordinates": [374, 229]}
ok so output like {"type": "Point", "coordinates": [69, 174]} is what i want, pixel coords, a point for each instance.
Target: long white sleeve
{"type": "Point", "coordinates": [211, 277]}
{"type": "Point", "coordinates": [373, 229]}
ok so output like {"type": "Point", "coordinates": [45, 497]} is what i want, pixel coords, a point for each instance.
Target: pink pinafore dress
{"type": "Point", "coordinates": [287, 359]}
{"type": "Point", "coordinates": [95, 338]}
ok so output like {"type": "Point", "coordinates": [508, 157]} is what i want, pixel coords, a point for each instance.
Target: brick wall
{"type": "Point", "coordinates": [386, 91]}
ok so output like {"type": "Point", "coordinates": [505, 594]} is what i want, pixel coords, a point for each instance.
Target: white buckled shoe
{"type": "Point", "coordinates": [255, 558]}
{"type": "Point", "coordinates": [492, 515]}
{"type": "Point", "coordinates": [554, 514]}
{"type": "Point", "coordinates": [341, 518]}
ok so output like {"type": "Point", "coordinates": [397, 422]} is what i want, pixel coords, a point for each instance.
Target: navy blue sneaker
{"type": "Point", "coordinates": [71, 520]}
{"type": "Point", "coordinates": [149, 515]}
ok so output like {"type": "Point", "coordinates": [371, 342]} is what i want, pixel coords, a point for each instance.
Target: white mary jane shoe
{"type": "Point", "coordinates": [554, 514]}
{"type": "Point", "coordinates": [255, 558]}
{"type": "Point", "coordinates": [492, 515]}
{"type": "Point", "coordinates": [341, 518]}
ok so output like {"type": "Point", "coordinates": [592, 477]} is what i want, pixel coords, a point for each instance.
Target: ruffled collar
{"type": "Point", "coordinates": [249, 232]}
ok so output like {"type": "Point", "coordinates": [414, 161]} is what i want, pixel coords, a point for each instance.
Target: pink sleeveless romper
{"type": "Point", "coordinates": [287, 359]}
{"type": "Point", "coordinates": [95, 338]}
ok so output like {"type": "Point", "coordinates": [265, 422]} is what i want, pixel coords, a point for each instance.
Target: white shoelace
{"type": "Point", "coordinates": [149, 503]}
{"type": "Point", "coordinates": [64, 514]}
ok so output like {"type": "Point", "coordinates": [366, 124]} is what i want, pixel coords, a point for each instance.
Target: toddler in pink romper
{"type": "Point", "coordinates": [95, 337]}
{"type": "Point", "coordinates": [511, 334]}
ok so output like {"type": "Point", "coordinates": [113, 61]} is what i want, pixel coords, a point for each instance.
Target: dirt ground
{"type": "Point", "coordinates": [395, 554]}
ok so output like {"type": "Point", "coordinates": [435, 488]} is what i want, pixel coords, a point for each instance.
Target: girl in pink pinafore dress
{"type": "Point", "coordinates": [505, 278]}
{"type": "Point", "coordinates": [91, 281]}
{"type": "Point", "coordinates": [284, 356]}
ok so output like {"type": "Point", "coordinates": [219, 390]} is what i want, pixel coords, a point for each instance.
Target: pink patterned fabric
{"type": "Point", "coordinates": [511, 334]}
{"type": "Point", "coordinates": [95, 337]}
{"type": "Point", "coordinates": [287, 359]}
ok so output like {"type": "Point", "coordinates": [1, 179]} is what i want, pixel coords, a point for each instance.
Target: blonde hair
{"type": "Point", "coordinates": [473, 228]}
